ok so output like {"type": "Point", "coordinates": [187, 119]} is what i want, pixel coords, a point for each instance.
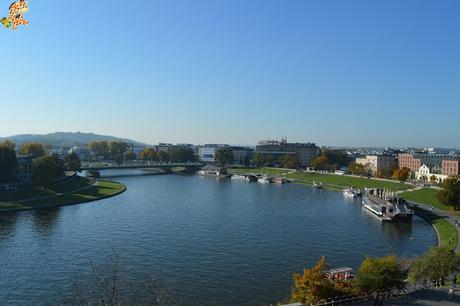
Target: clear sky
{"type": "Point", "coordinates": [383, 73]}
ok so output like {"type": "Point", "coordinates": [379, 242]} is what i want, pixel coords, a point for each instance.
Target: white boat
{"type": "Point", "coordinates": [239, 177]}
{"type": "Point", "coordinates": [264, 180]}
{"type": "Point", "coordinates": [318, 186]}
{"type": "Point", "coordinates": [387, 205]}
{"type": "Point", "coordinates": [350, 193]}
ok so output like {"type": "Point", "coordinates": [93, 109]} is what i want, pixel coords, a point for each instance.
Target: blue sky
{"type": "Point", "coordinates": [335, 72]}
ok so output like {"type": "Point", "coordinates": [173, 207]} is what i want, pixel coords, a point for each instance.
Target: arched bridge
{"type": "Point", "coordinates": [98, 166]}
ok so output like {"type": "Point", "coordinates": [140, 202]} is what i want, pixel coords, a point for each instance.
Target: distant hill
{"type": "Point", "coordinates": [64, 138]}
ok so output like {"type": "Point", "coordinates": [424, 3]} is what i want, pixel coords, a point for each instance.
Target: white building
{"type": "Point", "coordinates": [425, 174]}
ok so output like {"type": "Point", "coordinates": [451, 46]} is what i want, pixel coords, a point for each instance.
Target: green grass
{"type": "Point", "coordinates": [425, 196]}
{"type": "Point", "coordinates": [266, 170]}
{"type": "Point", "coordinates": [103, 190]}
{"type": "Point", "coordinates": [444, 228]}
{"type": "Point", "coordinates": [339, 182]}
{"type": "Point", "coordinates": [35, 192]}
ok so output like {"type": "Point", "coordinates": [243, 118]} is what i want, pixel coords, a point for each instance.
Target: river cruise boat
{"type": "Point", "coordinates": [387, 206]}
{"type": "Point", "coordinates": [350, 193]}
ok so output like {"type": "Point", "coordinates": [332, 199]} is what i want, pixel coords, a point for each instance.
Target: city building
{"type": "Point", "coordinates": [305, 152]}
{"type": "Point", "coordinates": [450, 167]}
{"type": "Point", "coordinates": [378, 163]}
{"type": "Point", "coordinates": [424, 174]}
{"type": "Point", "coordinates": [24, 168]}
{"type": "Point", "coordinates": [434, 161]}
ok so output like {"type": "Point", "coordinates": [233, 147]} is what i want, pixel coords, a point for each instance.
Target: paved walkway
{"type": "Point", "coordinates": [451, 218]}
{"type": "Point", "coordinates": [433, 297]}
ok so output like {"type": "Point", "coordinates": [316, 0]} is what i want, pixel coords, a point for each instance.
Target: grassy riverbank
{"type": "Point", "coordinates": [330, 181]}
{"type": "Point", "coordinates": [74, 191]}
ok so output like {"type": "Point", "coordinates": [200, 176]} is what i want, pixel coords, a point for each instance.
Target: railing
{"type": "Point", "coordinates": [102, 165]}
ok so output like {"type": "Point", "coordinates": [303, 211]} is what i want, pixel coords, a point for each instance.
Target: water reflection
{"type": "Point", "coordinates": [7, 224]}
{"type": "Point", "coordinates": [45, 220]}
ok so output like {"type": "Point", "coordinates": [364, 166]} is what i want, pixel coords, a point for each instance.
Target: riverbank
{"type": "Point", "coordinates": [443, 221]}
{"type": "Point", "coordinates": [329, 181]}
{"type": "Point", "coordinates": [74, 191]}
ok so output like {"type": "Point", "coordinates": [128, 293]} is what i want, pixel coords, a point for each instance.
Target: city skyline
{"type": "Point", "coordinates": [235, 72]}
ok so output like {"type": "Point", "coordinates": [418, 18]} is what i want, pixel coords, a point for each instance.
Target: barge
{"type": "Point", "coordinates": [387, 206]}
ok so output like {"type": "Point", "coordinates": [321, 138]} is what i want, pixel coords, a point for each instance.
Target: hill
{"type": "Point", "coordinates": [64, 138]}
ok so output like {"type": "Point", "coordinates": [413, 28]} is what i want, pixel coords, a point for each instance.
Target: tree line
{"type": "Point", "coordinates": [47, 168]}
{"type": "Point", "coordinates": [375, 276]}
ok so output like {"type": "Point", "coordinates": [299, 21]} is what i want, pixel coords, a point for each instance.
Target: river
{"type": "Point", "coordinates": [217, 242]}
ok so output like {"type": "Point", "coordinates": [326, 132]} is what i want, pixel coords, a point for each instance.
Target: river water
{"type": "Point", "coordinates": [216, 242]}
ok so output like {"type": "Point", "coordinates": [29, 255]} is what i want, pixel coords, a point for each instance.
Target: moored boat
{"type": "Point", "coordinates": [264, 180]}
{"type": "Point", "coordinates": [317, 186]}
{"type": "Point", "coordinates": [387, 205]}
{"type": "Point", "coordinates": [350, 193]}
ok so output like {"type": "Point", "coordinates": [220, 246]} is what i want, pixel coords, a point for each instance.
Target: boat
{"type": "Point", "coordinates": [340, 274]}
{"type": "Point", "coordinates": [350, 193]}
{"type": "Point", "coordinates": [239, 177]}
{"type": "Point", "coordinates": [317, 186]}
{"type": "Point", "coordinates": [264, 180]}
{"type": "Point", "coordinates": [278, 180]}
{"type": "Point", "coordinates": [387, 206]}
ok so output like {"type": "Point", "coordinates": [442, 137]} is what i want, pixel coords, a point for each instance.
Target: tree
{"type": "Point", "coordinates": [47, 169]}
{"type": "Point", "coordinates": [289, 161]}
{"type": "Point", "coordinates": [148, 154]}
{"type": "Point", "coordinates": [181, 155]}
{"type": "Point", "coordinates": [72, 162]}
{"type": "Point", "coordinates": [117, 150]}
{"type": "Point", "coordinates": [320, 163]}
{"type": "Point", "coordinates": [338, 158]}
{"type": "Point", "coordinates": [32, 149]}
{"type": "Point", "coordinates": [433, 178]}
{"type": "Point", "coordinates": [224, 156]}
{"type": "Point", "coordinates": [163, 156]}
{"type": "Point", "coordinates": [99, 148]}
{"type": "Point", "coordinates": [450, 193]}
{"type": "Point", "coordinates": [357, 169]}
{"type": "Point", "coordinates": [8, 161]}
{"type": "Point", "coordinates": [377, 275]}
{"type": "Point", "coordinates": [401, 174]}
{"type": "Point", "coordinates": [258, 160]}
{"type": "Point", "coordinates": [436, 263]}
{"type": "Point", "coordinates": [313, 285]}
{"type": "Point", "coordinates": [130, 156]}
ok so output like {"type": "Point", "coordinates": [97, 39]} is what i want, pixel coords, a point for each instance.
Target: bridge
{"type": "Point", "coordinates": [98, 166]}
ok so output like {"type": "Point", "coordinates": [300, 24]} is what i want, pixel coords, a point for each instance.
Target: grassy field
{"type": "Point", "coordinates": [429, 197]}
{"type": "Point", "coordinates": [102, 190]}
{"type": "Point", "coordinates": [268, 171]}
{"type": "Point", "coordinates": [339, 182]}
{"type": "Point", "coordinates": [445, 229]}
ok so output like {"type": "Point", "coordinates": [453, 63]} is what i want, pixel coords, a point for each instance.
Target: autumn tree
{"type": "Point", "coordinates": [130, 156]}
{"type": "Point", "coordinates": [32, 149]}
{"type": "Point", "coordinates": [402, 174]}
{"type": "Point", "coordinates": [8, 161]}
{"type": "Point", "coordinates": [313, 285]}
{"type": "Point", "coordinates": [436, 263]}
{"type": "Point", "coordinates": [337, 158]}
{"type": "Point", "coordinates": [450, 193]}
{"type": "Point", "coordinates": [224, 156]}
{"type": "Point", "coordinates": [47, 169]}
{"type": "Point", "coordinates": [72, 162]}
{"type": "Point", "coordinates": [148, 154]}
{"type": "Point", "coordinates": [320, 163]}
